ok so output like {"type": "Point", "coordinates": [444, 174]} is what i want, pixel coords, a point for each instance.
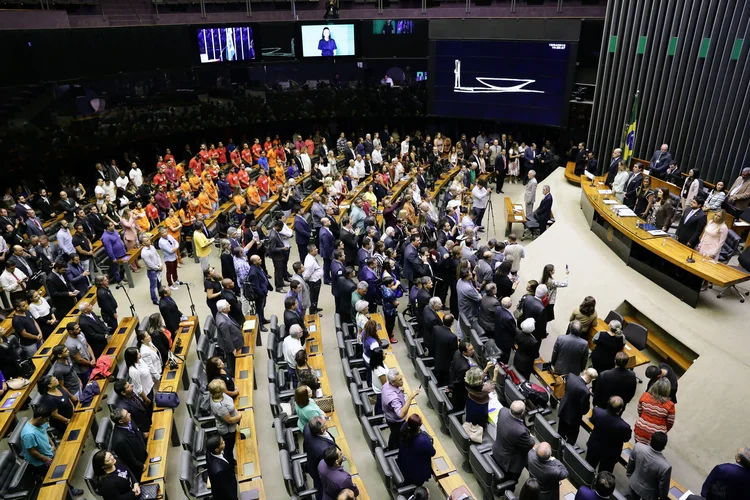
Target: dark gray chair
{"type": "Point", "coordinates": [581, 473]}
{"type": "Point", "coordinates": [424, 370]}
{"type": "Point", "coordinates": [614, 315]}
{"type": "Point", "coordinates": [103, 437]}
{"type": "Point", "coordinates": [744, 266]}
{"type": "Point", "coordinates": [198, 375]}
{"type": "Point", "coordinates": [477, 340]}
{"type": "Point", "coordinates": [205, 348]}
{"type": "Point", "coordinates": [192, 403]}
{"type": "Point", "coordinates": [486, 471]}
{"type": "Point", "coordinates": [192, 480]}
{"type": "Point", "coordinates": [360, 400]}
{"type": "Point", "coordinates": [88, 475]}
{"type": "Point", "coordinates": [274, 325]}
{"type": "Point", "coordinates": [17, 480]}
{"type": "Point", "coordinates": [398, 482]}
{"type": "Point", "coordinates": [14, 440]}
{"type": "Point", "coordinates": [194, 440]}
{"type": "Point", "coordinates": [374, 439]}
{"type": "Point", "coordinates": [545, 432]}
{"type": "Point", "coordinates": [636, 334]}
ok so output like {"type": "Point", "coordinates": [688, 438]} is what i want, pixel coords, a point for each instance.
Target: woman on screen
{"type": "Point", "coordinates": [327, 45]}
{"type": "Point", "coordinates": [387, 28]}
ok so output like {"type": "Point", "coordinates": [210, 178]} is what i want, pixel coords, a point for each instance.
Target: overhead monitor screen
{"type": "Point", "coordinates": [226, 44]}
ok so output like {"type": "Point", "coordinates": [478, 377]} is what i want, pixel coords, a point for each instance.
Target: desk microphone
{"type": "Point", "coordinates": [690, 259]}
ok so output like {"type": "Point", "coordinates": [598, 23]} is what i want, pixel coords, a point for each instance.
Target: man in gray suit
{"type": "Point", "coordinates": [547, 470]}
{"type": "Point", "coordinates": [571, 352]}
{"type": "Point", "coordinates": [648, 470]}
{"type": "Point", "coordinates": [512, 442]}
{"type": "Point", "coordinates": [468, 299]}
{"type": "Point", "coordinates": [33, 224]}
{"type": "Point", "coordinates": [230, 333]}
{"type": "Point", "coordinates": [530, 196]}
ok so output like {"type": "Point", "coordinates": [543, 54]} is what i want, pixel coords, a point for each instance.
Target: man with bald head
{"type": "Point", "coordinates": [229, 334]}
{"type": "Point", "coordinates": [260, 285]}
{"type": "Point", "coordinates": [614, 165]}
{"type": "Point", "coordinates": [609, 434]}
{"type": "Point", "coordinates": [660, 161]}
{"type": "Point", "coordinates": [729, 480]}
{"type": "Point", "coordinates": [547, 470]}
{"type": "Point", "coordinates": [512, 442]}
{"type": "Point", "coordinates": [505, 329]}
{"type": "Point", "coordinates": [229, 294]}
{"type": "Point", "coordinates": [575, 404]}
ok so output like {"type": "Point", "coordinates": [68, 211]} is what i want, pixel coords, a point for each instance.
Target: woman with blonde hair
{"type": "Point", "coordinates": [656, 412]}
{"type": "Point", "coordinates": [621, 180]}
{"type": "Point", "coordinates": [644, 198]}
{"type": "Point", "coordinates": [130, 235]}
{"type": "Point", "coordinates": [305, 406]}
{"type": "Point", "coordinates": [479, 390]}
{"type": "Point", "coordinates": [714, 236]}
{"type": "Point", "coordinates": [607, 345]}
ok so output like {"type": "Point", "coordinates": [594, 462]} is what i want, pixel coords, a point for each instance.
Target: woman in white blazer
{"type": "Point", "coordinates": [150, 356]}
{"type": "Point", "coordinates": [691, 187]}
{"type": "Point", "coordinates": [140, 376]}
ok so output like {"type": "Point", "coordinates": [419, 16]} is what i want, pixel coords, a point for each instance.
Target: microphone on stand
{"type": "Point", "coordinates": [186, 283]}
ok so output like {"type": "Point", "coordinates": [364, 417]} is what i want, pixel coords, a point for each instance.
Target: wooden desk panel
{"type": "Point", "coordinates": [451, 482]}
{"type": "Point", "coordinates": [243, 381]}
{"type": "Point", "coordinates": [357, 480]}
{"type": "Point", "coordinates": [391, 362]}
{"type": "Point", "coordinates": [89, 297]}
{"type": "Point", "coordinates": [94, 403]}
{"type": "Point", "coordinates": [314, 342]}
{"type": "Point", "coordinates": [170, 377]}
{"type": "Point", "coordinates": [567, 488]}
{"type": "Point", "coordinates": [58, 491]}
{"type": "Point", "coordinates": [248, 465]}
{"type": "Point", "coordinates": [255, 484]}
{"type": "Point", "coordinates": [58, 336]}
{"type": "Point", "coordinates": [121, 337]}
{"type": "Point", "coordinates": [626, 225]}
{"type": "Point", "coordinates": [335, 429]}
{"type": "Point", "coordinates": [70, 450]}
{"type": "Point", "coordinates": [185, 336]}
{"type": "Point", "coordinates": [317, 364]}
{"type": "Point", "coordinates": [511, 212]}
{"type": "Point", "coordinates": [350, 197]}
{"type": "Point", "coordinates": [162, 423]}
{"type": "Point", "coordinates": [440, 452]}
{"type": "Point", "coordinates": [556, 383]}
{"type": "Point", "coordinates": [250, 333]}
{"type": "Point", "coordinates": [6, 421]}
{"type": "Point", "coordinates": [21, 395]}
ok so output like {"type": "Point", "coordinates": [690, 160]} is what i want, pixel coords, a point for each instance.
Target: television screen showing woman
{"type": "Point", "coordinates": [328, 40]}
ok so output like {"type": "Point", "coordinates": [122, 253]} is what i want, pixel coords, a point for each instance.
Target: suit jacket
{"type": "Point", "coordinates": [223, 478]}
{"type": "Point", "coordinates": [529, 196]}
{"type": "Point", "coordinates": [614, 164]}
{"type": "Point", "coordinates": [68, 206]}
{"type": "Point", "coordinates": [34, 226]}
{"type": "Point", "coordinates": [235, 309]}
{"type": "Point", "coordinates": [615, 382]}
{"type": "Point", "coordinates": [76, 277]}
{"type": "Point", "coordinates": [137, 410]}
{"type": "Point", "coordinates": [302, 230]}
{"type": "Point", "coordinates": [631, 189]}
{"type": "Point", "coordinates": [430, 320]}
{"type": "Point", "coordinates": [337, 270]}
{"type": "Point", "coordinates": [660, 161]}
{"type": "Point", "coordinates": [130, 448]}
{"type": "Point", "coordinates": [689, 232]}
{"type": "Point", "coordinates": [170, 313]}
{"type": "Point", "coordinates": [26, 265]}
{"type": "Point", "coordinates": [512, 442]}
{"type": "Point", "coordinates": [349, 154]}
{"type": "Point", "coordinates": [533, 308]}
{"type": "Point", "coordinates": [411, 260]}
{"type": "Point", "coordinates": [487, 310]}
{"type": "Point", "coordinates": [444, 346]}
{"type": "Point", "coordinates": [326, 243]}
{"type": "Point", "coordinates": [351, 249]}
{"type": "Point", "coordinates": [743, 194]}
{"type": "Point", "coordinates": [276, 246]}
{"type": "Point", "coordinates": [106, 301]}
{"type": "Point", "coordinates": [58, 290]}
{"type": "Point", "coordinates": [362, 256]}
{"type": "Point", "coordinates": [96, 221]}
{"type": "Point", "coordinates": [421, 184]}
{"type": "Point", "coordinates": [230, 333]}
{"type": "Point", "coordinates": [94, 329]}
{"type": "Point", "coordinates": [549, 474]}
{"type": "Point", "coordinates": [570, 354]}
{"type": "Point", "coordinates": [575, 403]}
{"type": "Point", "coordinates": [314, 447]}
{"type": "Point", "coordinates": [544, 210]}
{"type": "Point", "coordinates": [609, 434]}
{"type": "Point", "coordinates": [649, 472]}
{"type": "Point", "coordinates": [45, 207]}
{"type": "Point", "coordinates": [505, 329]}
{"type": "Point", "coordinates": [292, 317]}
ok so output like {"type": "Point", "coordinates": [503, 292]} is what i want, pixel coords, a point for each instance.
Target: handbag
{"type": "Point", "coordinates": [474, 431]}
{"type": "Point", "coordinates": [325, 403]}
{"type": "Point", "coordinates": [149, 491]}
{"type": "Point", "coordinates": [18, 383]}
{"type": "Point", "coordinates": [167, 399]}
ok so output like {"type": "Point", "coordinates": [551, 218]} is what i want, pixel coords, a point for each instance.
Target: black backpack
{"type": "Point", "coordinates": [534, 394]}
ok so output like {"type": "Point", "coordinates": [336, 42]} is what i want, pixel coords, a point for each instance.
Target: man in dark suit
{"type": "Point", "coordinates": [44, 205]}
{"type": "Point", "coordinates": [302, 232]}
{"type": "Point", "coordinates": [505, 329]}
{"type": "Point", "coordinates": [229, 294]}
{"type": "Point", "coordinates": [592, 164]}
{"type": "Point", "coordinates": [338, 267]}
{"type": "Point", "coordinates": [421, 182]}
{"type": "Point", "coordinates": [430, 318]}
{"type": "Point", "coordinates": [654, 373]}
{"type": "Point", "coordinates": [533, 308]}
{"type": "Point", "coordinates": [575, 404]}
{"type": "Point", "coordinates": [614, 165]}
{"type": "Point", "coordinates": [349, 239]}
{"type": "Point", "coordinates": [462, 361]}
{"type": "Point", "coordinates": [604, 487]}
{"type": "Point", "coordinates": [326, 239]}
{"type": "Point", "coordinates": [349, 153]}
{"type": "Point", "coordinates": [107, 302]}
{"type": "Point", "coordinates": [60, 289]}
{"type": "Point", "coordinates": [315, 441]}
{"type": "Point", "coordinates": [571, 352]}
{"type": "Point", "coordinates": [444, 346]}
{"type": "Point", "coordinates": [512, 442]}
{"type": "Point", "coordinates": [547, 471]}
{"type": "Point", "coordinates": [67, 206]}
{"type": "Point", "coordinates": [543, 212]}
{"type": "Point", "coordinates": [729, 480]}
{"type": "Point", "coordinates": [581, 159]}
{"type": "Point", "coordinates": [610, 433]}
{"type": "Point", "coordinates": [96, 221]}
{"type": "Point", "coordinates": [260, 285]}
{"type": "Point", "coordinates": [346, 286]}
{"type": "Point", "coordinates": [78, 275]}
{"type": "Point", "coordinates": [631, 187]}
{"type": "Point", "coordinates": [220, 472]}
{"type": "Point", "coordinates": [168, 309]}
{"type": "Point", "coordinates": [95, 330]}
{"type": "Point", "coordinates": [23, 262]}
{"type": "Point", "coordinates": [619, 381]}
{"type": "Point", "coordinates": [279, 255]}
{"type": "Point", "coordinates": [692, 223]}
{"type": "Point", "coordinates": [128, 400]}
{"type": "Point", "coordinates": [411, 257]}
{"type": "Point", "coordinates": [292, 317]}
{"type": "Point", "coordinates": [660, 161]}
{"type": "Point", "coordinates": [128, 442]}
{"type": "Point", "coordinates": [229, 335]}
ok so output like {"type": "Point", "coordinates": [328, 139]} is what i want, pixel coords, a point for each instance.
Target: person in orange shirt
{"type": "Point", "coordinates": [256, 150]}
{"type": "Point", "coordinates": [187, 219]}
{"type": "Point", "coordinates": [310, 145]}
{"type": "Point", "coordinates": [172, 195]}
{"type": "Point", "coordinates": [280, 178]}
{"type": "Point", "coordinates": [222, 154]}
{"type": "Point", "coordinates": [205, 204]}
{"type": "Point", "coordinates": [195, 183]}
{"type": "Point", "coordinates": [212, 192]}
{"type": "Point", "coordinates": [210, 171]}
{"type": "Point", "coordinates": [239, 205]}
{"type": "Point", "coordinates": [263, 186]}
{"type": "Point", "coordinates": [184, 185]}
{"type": "Point", "coordinates": [174, 227]}
{"type": "Point", "coordinates": [180, 167]}
{"type": "Point", "coordinates": [194, 206]}
{"type": "Point", "coordinates": [141, 219]}
{"type": "Point", "coordinates": [253, 196]}
{"type": "Point", "coordinates": [244, 178]}
{"type": "Point", "coordinates": [271, 155]}
{"type": "Point", "coordinates": [247, 155]}
{"type": "Point", "coordinates": [276, 140]}
{"type": "Point", "coordinates": [268, 144]}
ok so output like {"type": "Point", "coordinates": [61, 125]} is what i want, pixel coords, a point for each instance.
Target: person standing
{"type": "Point", "coordinates": [260, 285]}
{"type": "Point", "coordinates": [415, 452]}
{"type": "Point", "coordinates": [115, 250]}
{"type": "Point", "coordinates": [547, 470]}
{"type": "Point", "coordinates": [313, 275]}
{"type": "Point", "coordinates": [610, 433]}
{"type": "Point", "coordinates": [575, 404]}
{"type": "Point", "coordinates": [729, 480]}
{"type": "Point", "coordinates": [315, 441]}
{"type": "Point", "coordinates": [571, 352]}
{"type": "Point", "coordinates": [530, 194]}
{"type": "Point", "coordinates": [617, 381]}
{"type": "Point", "coordinates": [230, 335]}
{"type": "Point", "coordinates": [648, 471]}
{"type": "Point", "coordinates": [395, 405]}
{"type": "Point", "coordinates": [154, 266]}
{"type": "Point", "coordinates": [505, 329]}
{"type": "Point", "coordinates": [656, 412]}
{"type": "Point", "coordinates": [28, 330]}
{"type": "Point", "coordinates": [128, 441]}
{"type": "Point", "coordinates": [202, 244]}
{"type": "Point", "coordinates": [479, 196]}
{"type": "Point", "coordinates": [333, 477]}
{"type": "Point", "coordinates": [169, 249]}
{"type": "Point", "coordinates": [692, 223]}
{"type": "Point", "coordinates": [226, 416]}
{"type": "Point", "coordinates": [279, 255]}
{"type": "Point", "coordinates": [220, 472]}
{"type": "Point", "coordinates": [513, 441]}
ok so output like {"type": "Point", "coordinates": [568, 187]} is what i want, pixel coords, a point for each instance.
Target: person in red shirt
{"type": "Point", "coordinates": [213, 155]}
{"type": "Point", "coordinates": [280, 155]}
{"type": "Point", "coordinates": [222, 154]}
{"type": "Point", "coordinates": [247, 155]}
{"type": "Point", "coordinates": [170, 171]}
{"type": "Point", "coordinates": [203, 153]}
{"type": "Point", "coordinates": [244, 178]}
{"type": "Point", "coordinates": [256, 150]}
{"type": "Point", "coordinates": [232, 179]}
{"type": "Point", "coordinates": [268, 144]}
{"type": "Point", "coordinates": [160, 179]}
{"type": "Point", "coordinates": [195, 165]}
{"type": "Point", "coordinates": [168, 155]}
{"type": "Point", "coordinates": [160, 162]}
{"type": "Point", "coordinates": [235, 155]}
{"type": "Point", "coordinates": [151, 211]}
{"type": "Point", "coordinates": [263, 188]}
{"type": "Point", "coordinates": [310, 145]}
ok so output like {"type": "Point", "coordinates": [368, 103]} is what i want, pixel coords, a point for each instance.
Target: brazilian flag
{"type": "Point", "coordinates": [629, 136]}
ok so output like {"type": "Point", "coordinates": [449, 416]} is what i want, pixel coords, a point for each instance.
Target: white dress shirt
{"type": "Point", "coordinates": [404, 147]}
{"type": "Point", "coordinates": [140, 377]}
{"type": "Point", "coordinates": [360, 166]}
{"type": "Point", "coordinates": [11, 281]}
{"type": "Point", "coordinates": [313, 271]}
{"type": "Point", "coordinates": [151, 258]}
{"type": "Point", "coordinates": [377, 158]}
{"type": "Point", "coordinates": [122, 183]}
{"type": "Point", "coordinates": [136, 176]}
{"type": "Point", "coordinates": [291, 347]}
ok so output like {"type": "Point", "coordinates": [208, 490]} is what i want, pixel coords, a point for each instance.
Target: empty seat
{"type": "Point", "coordinates": [337, 322]}
{"type": "Point", "coordinates": [193, 483]}
{"type": "Point", "coordinates": [581, 473]}
{"type": "Point", "coordinates": [194, 440]}
{"type": "Point", "coordinates": [414, 346]}
{"type": "Point", "coordinates": [274, 325]}
{"type": "Point", "coordinates": [14, 440]}
{"type": "Point", "coordinates": [614, 315]}
{"type": "Point", "coordinates": [424, 370]}
{"type": "Point", "coordinates": [16, 479]}
{"type": "Point", "coordinates": [205, 348]}
{"type": "Point", "coordinates": [545, 432]}
{"type": "Point", "coordinates": [636, 334]}
{"type": "Point", "coordinates": [360, 400]}
{"type": "Point", "coordinates": [209, 328]}
{"type": "Point", "coordinates": [103, 438]}
{"type": "Point", "coordinates": [369, 424]}
{"type": "Point", "coordinates": [398, 483]}
{"type": "Point", "coordinates": [440, 403]}
{"type": "Point", "coordinates": [477, 340]}
{"type": "Point", "coordinates": [193, 406]}
{"type": "Point", "coordinates": [198, 375]}
{"type": "Point", "coordinates": [486, 471]}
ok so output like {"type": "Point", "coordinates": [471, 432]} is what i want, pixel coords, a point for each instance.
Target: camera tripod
{"type": "Point", "coordinates": [489, 213]}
